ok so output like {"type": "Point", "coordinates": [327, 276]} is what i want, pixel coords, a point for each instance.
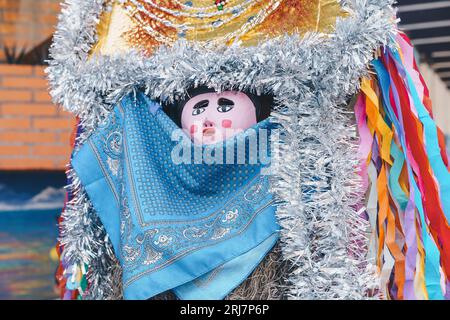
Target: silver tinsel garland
{"type": "Point", "coordinates": [311, 78]}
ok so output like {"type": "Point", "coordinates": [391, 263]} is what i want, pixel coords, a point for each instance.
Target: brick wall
{"type": "Point", "coordinates": [26, 23]}
{"type": "Point", "coordinates": [34, 133]}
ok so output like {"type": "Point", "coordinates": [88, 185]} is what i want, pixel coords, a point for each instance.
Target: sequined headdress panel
{"type": "Point", "coordinates": [147, 24]}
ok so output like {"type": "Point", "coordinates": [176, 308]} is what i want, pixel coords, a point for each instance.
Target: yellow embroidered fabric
{"type": "Point", "coordinates": [147, 24]}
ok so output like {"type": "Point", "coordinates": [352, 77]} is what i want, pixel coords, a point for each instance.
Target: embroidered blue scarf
{"type": "Point", "coordinates": [196, 227]}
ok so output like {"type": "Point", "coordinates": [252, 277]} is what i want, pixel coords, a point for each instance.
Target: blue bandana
{"type": "Point", "coordinates": [197, 228]}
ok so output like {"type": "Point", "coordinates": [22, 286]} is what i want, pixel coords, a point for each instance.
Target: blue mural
{"type": "Point", "coordinates": [30, 204]}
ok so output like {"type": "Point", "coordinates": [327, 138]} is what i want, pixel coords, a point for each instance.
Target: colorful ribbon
{"type": "Point", "coordinates": [409, 162]}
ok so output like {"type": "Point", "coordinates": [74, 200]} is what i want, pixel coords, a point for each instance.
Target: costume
{"type": "Point", "coordinates": [361, 195]}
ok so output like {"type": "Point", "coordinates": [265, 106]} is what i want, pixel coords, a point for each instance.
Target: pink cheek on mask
{"type": "Point", "coordinates": [227, 123]}
{"type": "Point", "coordinates": [194, 129]}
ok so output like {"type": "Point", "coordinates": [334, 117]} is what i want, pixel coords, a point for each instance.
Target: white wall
{"type": "Point", "coordinates": [440, 97]}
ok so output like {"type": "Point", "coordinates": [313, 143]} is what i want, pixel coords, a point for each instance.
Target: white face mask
{"type": "Point", "coordinates": [212, 117]}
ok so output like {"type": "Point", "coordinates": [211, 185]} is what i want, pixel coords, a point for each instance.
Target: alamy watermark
{"type": "Point", "coordinates": [256, 147]}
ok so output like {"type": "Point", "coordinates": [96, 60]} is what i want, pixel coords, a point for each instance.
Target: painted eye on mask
{"type": "Point", "coordinates": [225, 105]}
{"type": "Point", "coordinates": [200, 107]}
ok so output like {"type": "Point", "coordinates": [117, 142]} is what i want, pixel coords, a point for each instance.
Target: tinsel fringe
{"type": "Point", "coordinates": [311, 78]}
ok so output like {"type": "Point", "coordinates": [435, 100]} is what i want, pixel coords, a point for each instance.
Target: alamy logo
{"type": "Point", "coordinates": [256, 147]}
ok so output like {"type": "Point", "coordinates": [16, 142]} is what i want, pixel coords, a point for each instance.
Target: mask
{"type": "Point", "coordinates": [213, 117]}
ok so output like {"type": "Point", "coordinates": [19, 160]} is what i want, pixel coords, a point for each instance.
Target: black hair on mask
{"type": "Point", "coordinates": [262, 104]}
